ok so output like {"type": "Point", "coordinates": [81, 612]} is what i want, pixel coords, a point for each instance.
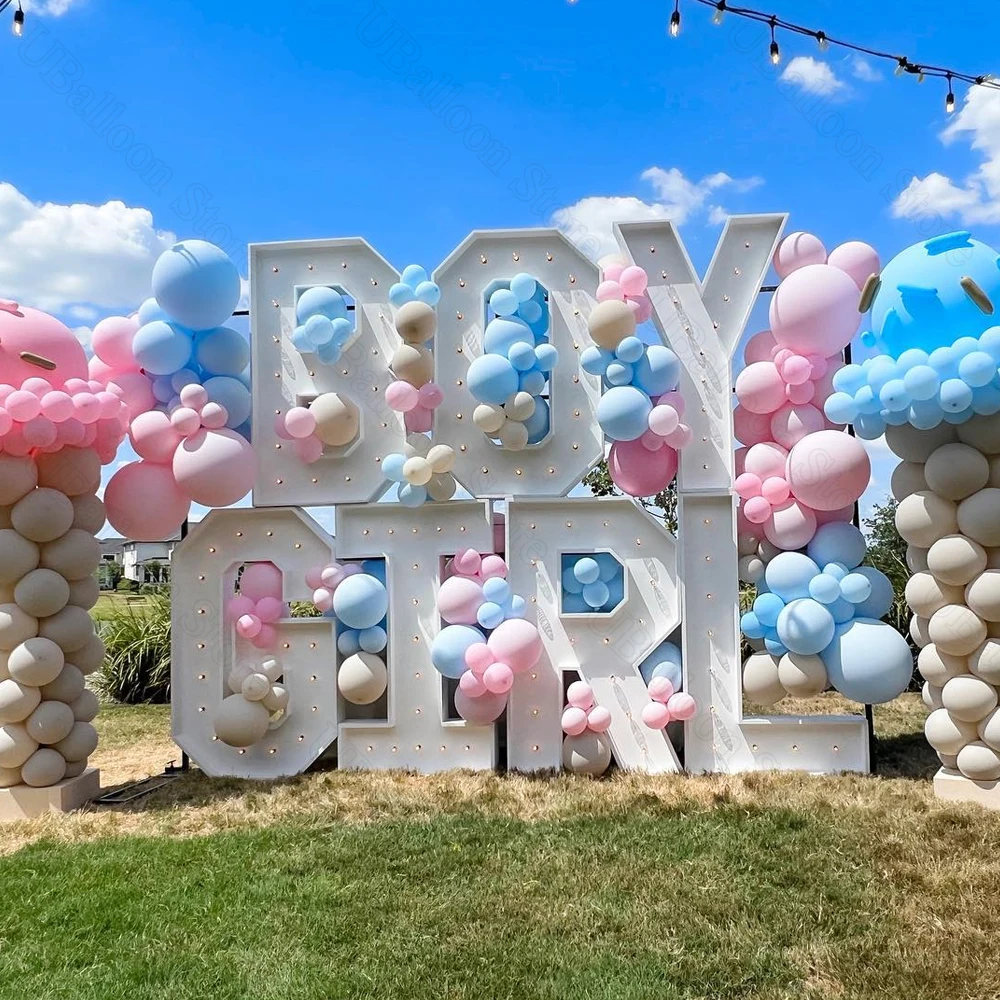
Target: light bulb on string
{"type": "Point", "coordinates": [720, 10]}
{"type": "Point", "coordinates": [675, 20]}
{"type": "Point", "coordinates": [18, 26]}
{"type": "Point", "coordinates": [775, 51]}
{"type": "Point", "coordinates": [821, 41]}
{"type": "Point", "coordinates": [901, 66]}
{"type": "Point", "coordinates": [949, 101]}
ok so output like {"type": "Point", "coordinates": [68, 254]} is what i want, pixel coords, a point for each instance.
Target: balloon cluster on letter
{"type": "Point", "coordinates": [586, 749]}
{"type": "Point", "coordinates": [423, 471]}
{"type": "Point", "coordinates": [258, 606]}
{"type": "Point", "coordinates": [592, 583]}
{"type": "Point", "coordinates": [324, 327]}
{"type": "Point", "coordinates": [258, 704]}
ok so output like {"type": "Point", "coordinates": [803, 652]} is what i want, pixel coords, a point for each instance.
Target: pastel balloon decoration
{"type": "Point", "coordinates": [196, 284]}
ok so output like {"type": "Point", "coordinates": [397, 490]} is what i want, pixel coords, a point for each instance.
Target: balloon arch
{"type": "Point", "coordinates": [491, 610]}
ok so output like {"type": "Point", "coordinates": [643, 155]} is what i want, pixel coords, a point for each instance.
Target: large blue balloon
{"type": "Point", "coordinates": [492, 379]}
{"type": "Point", "coordinates": [161, 348]}
{"type": "Point", "coordinates": [788, 575]}
{"type": "Point", "coordinates": [504, 332]}
{"type": "Point", "coordinates": [150, 310]}
{"type": "Point", "coordinates": [664, 661]}
{"type": "Point", "coordinates": [879, 601]}
{"type": "Point", "coordinates": [449, 646]}
{"type": "Point", "coordinates": [320, 301]}
{"type": "Point", "coordinates": [222, 351]}
{"type": "Point", "coordinates": [805, 626]}
{"type": "Point", "coordinates": [360, 601]}
{"type": "Point", "coordinates": [869, 662]}
{"type": "Point", "coordinates": [837, 541]}
{"type": "Point", "coordinates": [539, 422]}
{"type": "Point", "coordinates": [233, 395]}
{"type": "Point", "coordinates": [623, 413]}
{"type": "Point", "coordinates": [657, 371]}
{"type": "Point", "coordinates": [197, 284]}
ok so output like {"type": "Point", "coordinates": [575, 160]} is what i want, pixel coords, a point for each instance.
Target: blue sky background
{"type": "Point", "coordinates": [287, 121]}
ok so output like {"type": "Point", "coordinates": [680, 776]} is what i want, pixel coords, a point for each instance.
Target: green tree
{"type": "Point", "coordinates": [662, 506]}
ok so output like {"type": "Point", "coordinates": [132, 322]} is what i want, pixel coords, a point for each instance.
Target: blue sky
{"type": "Point", "coordinates": [260, 121]}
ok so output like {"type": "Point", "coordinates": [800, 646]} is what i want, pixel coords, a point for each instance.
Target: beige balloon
{"type": "Point", "coordinates": [947, 734]}
{"type": "Point", "coordinates": [18, 477]}
{"type": "Point", "coordinates": [982, 595]}
{"type": "Point", "coordinates": [442, 458]}
{"type": "Point", "coordinates": [610, 323]}
{"type": "Point", "coordinates": [413, 364]}
{"type": "Point", "coordinates": [67, 687]}
{"type": "Point", "coordinates": [938, 668]}
{"type": "Point", "coordinates": [968, 698]}
{"type": "Point", "coordinates": [416, 322]}
{"type": "Point", "coordinates": [907, 478]}
{"type": "Point", "coordinates": [588, 753]}
{"type": "Point", "coordinates": [919, 631]}
{"type": "Point", "coordinates": [241, 723]}
{"type": "Point", "coordinates": [88, 513]}
{"type": "Point", "coordinates": [982, 433]}
{"type": "Point", "coordinates": [362, 678]}
{"type": "Point", "coordinates": [930, 696]}
{"type": "Point", "coordinates": [767, 551]}
{"type": "Point", "coordinates": [337, 419]}
{"type": "Point", "coordinates": [514, 436]}
{"type": "Point", "coordinates": [994, 479]}
{"type": "Point", "coordinates": [51, 722]}
{"type": "Point", "coordinates": [72, 629]}
{"type": "Point", "coordinates": [255, 687]}
{"type": "Point", "coordinates": [43, 515]}
{"type": "Point", "coordinates": [17, 701]}
{"type": "Point", "coordinates": [75, 768]}
{"type": "Point", "coordinates": [36, 661]}
{"type": "Point", "coordinates": [802, 676]}
{"type": "Point", "coordinates": [73, 471]}
{"type": "Point", "coordinates": [761, 681]}
{"type": "Point", "coordinates": [984, 661]}
{"type": "Point", "coordinates": [75, 555]}
{"type": "Point", "coordinates": [916, 559]}
{"type": "Point", "coordinates": [979, 762]}
{"type": "Point", "coordinates": [988, 729]}
{"type": "Point", "coordinates": [41, 593]}
{"type": "Point", "coordinates": [80, 743]}
{"type": "Point", "coordinates": [5, 521]}
{"type": "Point", "coordinates": [417, 471]}
{"type": "Point", "coordinates": [442, 487]}
{"type": "Point", "coordinates": [18, 555]}
{"type": "Point", "coordinates": [979, 517]}
{"type": "Point", "coordinates": [956, 471]}
{"type": "Point", "coordinates": [276, 699]}
{"type": "Point", "coordinates": [43, 768]}
{"type": "Point", "coordinates": [90, 657]}
{"type": "Point", "coordinates": [271, 668]}
{"type": "Point", "coordinates": [751, 568]}
{"type": "Point", "coordinates": [949, 761]}
{"type": "Point", "coordinates": [520, 406]}
{"type": "Point", "coordinates": [925, 594]}
{"type": "Point", "coordinates": [914, 445]}
{"type": "Point", "coordinates": [488, 418]}
{"type": "Point", "coordinates": [955, 560]}
{"type": "Point", "coordinates": [924, 517]}
{"type": "Point", "coordinates": [9, 777]}
{"type": "Point", "coordinates": [85, 593]}
{"type": "Point", "coordinates": [956, 630]}
{"type": "Point", "coordinates": [16, 746]}
{"type": "Point", "coordinates": [746, 545]}
{"type": "Point", "coordinates": [86, 707]}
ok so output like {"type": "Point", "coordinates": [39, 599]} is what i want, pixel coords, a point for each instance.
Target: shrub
{"type": "Point", "coordinates": [125, 586]}
{"type": "Point", "coordinates": [137, 666]}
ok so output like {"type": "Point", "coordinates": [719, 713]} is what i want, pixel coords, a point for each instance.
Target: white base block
{"type": "Point", "coordinates": [24, 802]}
{"type": "Point", "coordinates": [955, 787]}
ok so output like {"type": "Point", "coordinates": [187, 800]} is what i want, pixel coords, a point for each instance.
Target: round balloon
{"type": "Point", "coordinates": [144, 502]}
{"type": "Point", "coordinates": [197, 284]}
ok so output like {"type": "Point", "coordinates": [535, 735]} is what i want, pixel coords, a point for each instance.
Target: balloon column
{"type": "Point", "coordinates": [57, 426]}
{"type": "Point", "coordinates": [586, 749]}
{"type": "Point", "coordinates": [185, 378]}
{"type": "Point", "coordinates": [816, 614]}
{"type": "Point", "coordinates": [935, 392]}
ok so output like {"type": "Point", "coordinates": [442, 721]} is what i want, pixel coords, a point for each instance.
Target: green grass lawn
{"type": "Point", "coordinates": [483, 886]}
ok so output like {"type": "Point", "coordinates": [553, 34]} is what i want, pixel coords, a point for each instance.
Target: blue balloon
{"type": "Point", "coordinates": [894, 397]}
{"type": "Point", "coordinates": [349, 641]}
{"type": "Point", "coordinates": [320, 300]}
{"type": "Point", "coordinates": [751, 626]}
{"type": "Point", "coordinates": [532, 382]}
{"type": "Point", "coordinates": [869, 426]}
{"type": "Point", "coordinates": [342, 331]}
{"type": "Point", "coordinates": [233, 395]}
{"type": "Point", "coordinates": [866, 401]}
{"type": "Point", "coordinates": [774, 645]}
{"type": "Point", "coordinates": [881, 598]}
{"type": "Point", "coordinates": [523, 286]}
{"type": "Point", "coordinates": [855, 588]}
{"type": "Point", "coordinates": [824, 588]}
{"type": "Point", "coordinates": [570, 584]}
{"type": "Point", "coordinates": [530, 311]}
{"type": "Point", "coordinates": [806, 626]}
{"type": "Point", "coordinates": [319, 331]}
{"type": "Point", "coordinates": [944, 361]}
{"type": "Point", "coordinates": [184, 378]}
{"type": "Point", "coordinates": [518, 607]}
{"type": "Point", "coordinates": [222, 351]}
{"type": "Point", "coordinates": [151, 310]}
{"type": "Point", "coordinates": [849, 379]}
{"type": "Point", "coordinates": [489, 615]}
{"type": "Point", "coordinates": [574, 604]}
{"type": "Point", "coordinates": [161, 348]}
{"type": "Point", "coordinates": [329, 354]}
{"type": "Point", "coordinates": [610, 567]}
{"type": "Point", "coordinates": [842, 611]}
{"type": "Point", "coordinates": [788, 575]}
{"type": "Point", "coordinates": [595, 360]}
{"type": "Point", "coordinates": [400, 294]}
{"type": "Point", "coordinates": [539, 422]}
{"type": "Point", "coordinates": [503, 333]}
{"type": "Point", "coordinates": [373, 640]}
{"type": "Point", "coordinates": [673, 672]}
{"type": "Point", "coordinates": [586, 570]}
{"type": "Point", "coordinates": [630, 350]}
{"type": "Point", "coordinates": [546, 357]}
{"type": "Point", "coordinates": [522, 356]}
{"type": "Point", "coordinates": [767, 608]}
{"type": "Point", "coordinates": [879, 372]}
{"type": "Point", "coordinates": [392, 467]}
{"type": "Point", "coordinates": [657, 371]}
{"type": "Point", "coordinates": [910, 359]}
{"type": "Point", "coordinates": [412, 496]}
{"type": "Point", "coordinates": [958, 416]}
{"type": "Point", "coordinates": [869, 662]}
{"type": "Point", "coordinates": [619, 373]}
{"type": "Point", "coordinates": [429, 293]}
{"type": "Point", "coordinates": [896, 418]}
{"type": "Point", "coordinates": [496, 590]}
{"type": "Point", "coordinates": [492, 379]}
{"type": "Point", "coordinates": [163, 389]}
{"type": "Point", "coordinates": [986, 400]}
{"type": "Point", "coordinates": [977, 369]}
{"type": "Point", "coordinates": [412, 275]}
{"type": "Point", "coordinates": [504, 302]}
{"type": "Point", "coordinates": [925, 414]}
{"type": "Point", "coordinates": [623, 413]}
{"type": "Point", "coordinates": [989, 342]}
{"type": "Point", "coordinates": [837, 542]}
{"type": "Point", "coordinates": [596, 594]}
{"type": "Point", "coordinates": [840, 408]}
{"type": "Point", "coordinates": [449, 646]}
{"type": "Point", "coordinates": [360, 601]}
{"type": "Point", "coordinates": [954, 396]}
{"type": "Point", "coordinates": [197, 284]}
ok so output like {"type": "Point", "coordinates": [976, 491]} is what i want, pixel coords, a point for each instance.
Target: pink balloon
{"type": "Point", "coordinates": [574, 721]}
{"type": "Point", "coordinates": [652, 441]}
{"type": "Point", "coordinates": [300, 422]}
{"type": "Point", "coordinates": [775, 491]}
{"type": "Point", "coordinates": [214, 416]}
{"type": "Point", "coordinates": [757, 510]}
{"type": "Point", "coordinates": [478, 657]}
{"type": "Point", "coordinates": [248, 626]}
{"type": "Point", "coordinates": [467, 562]}
{"type": "Point", "coordinates": [260, 580]}
{"type": "Point", "coordinates": [5, 424]}
{"type": "Point", "coordinates": [270, 610]}
{"type": "Point", "coordinates": [431, 395]}
{"type": "Point", "coordinates": [471, 685]}
{"type": "Point", "coordinates": [185, 421]}
{"type": "Point", "coordinates": [23, 405]}
{"type": "Point", "coordinates": [792, 525]}
{"type": "Point", "coordinates": [633, 280]}
{"type": "Point", "coordinates": [747, 527]}
{"type": "Point", "coordinates": [828, 470]}
{"type": "Point", "coordinates": [15, 444]}
{"type": "Point", "coordinates": [98, 370]}
{"type": "Point", "coordinates": [766, 460]}
{"type": "Point", "coordinates": [40, 432]}
{"type": "Point", "coordinates": [751, 428]}
{"type": "Point", "coordinates": [109, 404]}
{"type": "Point", "coordinates": [674, 399]}
{"type": "Point", "coordinates": [655, 715]}
{"type": "Point", "coordinates": [760, 347]}
{"type": "Point", "coordinates": [112, 342]}
{"type": "Point", "coordinates": [640, 472]}
{"type": "Point", "coordinates": [599, 719]}
{"type": "Point", "coordinates": [238, 606]}
{"type": "Point", "coordinates": [86, 407]}
{"type": "Point", "coordinates": [498, 678]}
{"type": "Point", "coordinates": [57, 405]}
{"type": "Point", "coordinates": [663, 419]}
{"type": "Point", "coordinates": [796, 369]}
{"type": "Point", "coordinates": [660, 689]}
{"type": "Point", "coordinates": [815, 310]}
{"type": "Point", "coordinates": [760, 388]}
{"type": "Point", "coordinates": [739, 460]}
{"type": "Point", "coordinates": [792, 423]}
{"type": "Point", "coordinates": [314, 577]}
{"type": "Point", "coordinates": [266, 638]}
{"type": "Point", "coordinates": [517, 643]}
{"type": "Point", "coordinates": [401, 396]}
{"type": "Point", "coordinates": [136, 390]}
{"type": "Point", "coordinates": [611, 270]}
{"type": "Point", "coordinates": [682, 706]}
{"type": "Point", "coordinates": [608, 290]}
{"type": "Point", "coordinates": [458, 600]}
{"type": "Point", "coordinates": [856, 259]}
{"type": "Point", "coordinates": [641, 308]}
{"type": "Point", "coordinates": [72, 432]}
{"type": "Point", "coordinates": [332, 574]}
{"type": "Point", "coordinates": [799, 395]}
{"type": "Point", "coordinates": [29, 331]}
{"type": "Point", "coordinates": [798, 250]}
{"type": "Point", "coordinates": [322, 599]}
{"type": "Point", "coordinates": [215, 468]}
{"type": "Point", "coordinates": [144, 503]}
{"type": "Point", "coordinates": [480, 711]}
{"type": "Point", "coordinates": [279, 427]}
{"type": "Point", "coordinates": [493, 566]}
{"type": "Point", "coordinates": [748, 485]}
{"type": "Point", "coordinates": [309, 449]}
{"type": "Point", "coordinates": [194, 396]}
{"type": "Point", "coordinates": [153, 437]}
{"type": "Point", "coordinates": [419, 420]}
{"type": "Point", "coordinates": [842, 514]}
{"type": "Point", "coordinates": [580, 695]}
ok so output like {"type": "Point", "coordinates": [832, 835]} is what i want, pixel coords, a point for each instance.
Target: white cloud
{"type": "Point", "coordinates": [76, 259]}
{"type": "Point", "coordinates": [976, 198]}
{"type": "Point", "coordinates": [863, 70]}
{"type": "Point", "coordinates": [812, 75]}
{"type": "Point", "coordinates": [588, 222]}
{"type": "Point", "coordinates": [52, 8]}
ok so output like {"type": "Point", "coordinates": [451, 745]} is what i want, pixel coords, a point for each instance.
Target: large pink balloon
{"type": "Point", "coordinates": [791, 526]}
{"type": "Point", "coordinates": [136, 390]}
{"type": "Point", "coordinates": [153, 436]}
{"type": "Point", "coordinates": [751, 428]}
{"type": "Point", "coordinates": [760, 347]}
{"type": "Point", "coordinates": [480, 711]}
{"type": "Point", "coordinates": [766, 460]}
{"type": "Point", "coordinates": [828, 470]}
{"type": "Point", "coordinates": [37, 334]}
{"type": "Point", "coordinates": [215, 468]}
{"type": "Point", "coordinates": [841, 514]}
{"type": "Point", "coordinates": [640, 472]}
{"type": "Point", "coordinates": [760, 388]}
{"type": "Point", "coordinates": [857, 259]}
{"type": "Point", "coordinates": [459, 599]}
{"type": "Point", "coordinates": [815, 310]}
{"type": "Point", "coordinates": [112, 342]}
{"type": "Point", "coordinates": [798, 250]}
{"type": "Point", "coordinates": [260, 580]}
{"type": "Point", "coordinates": [792, 423]}
{"type": "Point", "coordinates": [517, 643]}
{"type": "Point", "coordinates": [143, 502]}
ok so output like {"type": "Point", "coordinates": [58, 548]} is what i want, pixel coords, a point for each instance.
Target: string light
{"type": "Point", "coordinates": [775, 51]}
{"type": "Point", "coordinates": [821, 41]}
{"type": "Point", "coordinates": [675, 20]}
{"type": "Point", "coordinates": [720, 10]}
{"type": "Point", "coordinates": [18, 26]}
{"type": "Point", "coordinates": [949, 101]}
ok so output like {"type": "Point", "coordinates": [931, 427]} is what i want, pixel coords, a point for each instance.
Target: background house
{"type": "Point", "coordinates": [140, 562]}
